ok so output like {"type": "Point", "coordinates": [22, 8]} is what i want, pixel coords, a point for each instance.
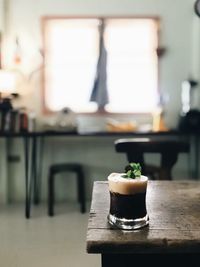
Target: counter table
{"type": "Point", "coordinates": [33, 153]}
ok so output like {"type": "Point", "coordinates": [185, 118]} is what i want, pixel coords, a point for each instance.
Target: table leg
{"type": "Point", "coordinates": [30, 172]}
{"type": "Point", "coordinates": [150, 259]}
{"type": "Point", "coordinates": [34, 171]}
{"type": "Point", "coordinates": [194, 157]}
{"type": "Point", "coordinates": [196, 170]}
{"type": "Point", "coordinates": [125, 260]}
{"type": "Point", "coordinates": [38, 143]}
{"type": "Point", "coordinates": [27, 182]}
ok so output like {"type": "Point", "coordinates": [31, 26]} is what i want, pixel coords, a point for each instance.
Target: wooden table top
{"type": "Point", "coordinates": [174, 212]}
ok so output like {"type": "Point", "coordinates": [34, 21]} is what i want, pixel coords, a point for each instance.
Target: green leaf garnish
{"type": "Point", "coordinates": [133, 170]}
{"type": "Point", "coordinates": [129, 174]}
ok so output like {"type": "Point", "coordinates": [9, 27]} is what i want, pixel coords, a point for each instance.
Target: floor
{"type": "Point", "coordinates": [42, 241]}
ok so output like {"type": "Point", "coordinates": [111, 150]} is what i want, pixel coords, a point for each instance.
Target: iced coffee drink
{"type": "Point", "coordinates": [128, 198]}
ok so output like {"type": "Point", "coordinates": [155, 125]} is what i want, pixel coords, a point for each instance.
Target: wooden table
{"type": "Point", "coordinates": [174, 228]}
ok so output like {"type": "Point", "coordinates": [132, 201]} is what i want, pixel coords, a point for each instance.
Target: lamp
{"type": "Point", "coordinates": [7, 89]}
{"type": "Point", "coordinates": [7, 82]}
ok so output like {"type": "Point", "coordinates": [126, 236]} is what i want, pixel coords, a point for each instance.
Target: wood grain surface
{"type": "Point", "coordinates": [174, 227]}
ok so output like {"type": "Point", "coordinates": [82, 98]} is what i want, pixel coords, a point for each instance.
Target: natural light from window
{"type": "Point", "coordinates": [71, 54]}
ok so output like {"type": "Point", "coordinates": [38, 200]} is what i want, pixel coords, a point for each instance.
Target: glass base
{"type": "Point", "coordinates": [128, 224]}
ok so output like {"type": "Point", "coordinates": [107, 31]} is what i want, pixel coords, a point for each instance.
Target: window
{"type": "Point", "coordinates": [71, 56]}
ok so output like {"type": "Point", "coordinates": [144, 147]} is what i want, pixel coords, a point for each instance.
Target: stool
{"type": "Point", "coordinates": [66, 167]}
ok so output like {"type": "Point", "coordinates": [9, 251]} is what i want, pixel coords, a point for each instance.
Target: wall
{"type": "Point", "coordinates": [180, 31]}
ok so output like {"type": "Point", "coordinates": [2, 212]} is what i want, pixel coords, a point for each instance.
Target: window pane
{"type": "Point", "coordinates": [71, 56]}
{"type": "Point", "coordinates": [132, 65]}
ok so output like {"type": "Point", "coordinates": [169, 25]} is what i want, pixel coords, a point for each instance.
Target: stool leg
{"type": "Point", "coordinates": [51, 195]}
{"type": "Point", "coordinates": [81, 190]}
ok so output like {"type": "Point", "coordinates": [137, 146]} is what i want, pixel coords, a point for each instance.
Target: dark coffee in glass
{"type": "Point", "coordinates": [127, 202]}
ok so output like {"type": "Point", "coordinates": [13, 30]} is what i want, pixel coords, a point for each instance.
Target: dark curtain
{"type": "Point", "coordinates": [99, 92]}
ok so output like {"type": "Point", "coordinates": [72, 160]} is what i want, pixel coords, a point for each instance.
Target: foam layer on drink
{"type": "Point", "coordinates": [127, 186]}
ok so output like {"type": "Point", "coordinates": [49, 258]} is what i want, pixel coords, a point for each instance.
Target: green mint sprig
{"type": "Point", "coordinates": [133, 170]}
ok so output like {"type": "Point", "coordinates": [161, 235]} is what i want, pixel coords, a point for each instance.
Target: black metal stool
{"type": "Point", "coordinates": [66, 167]}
